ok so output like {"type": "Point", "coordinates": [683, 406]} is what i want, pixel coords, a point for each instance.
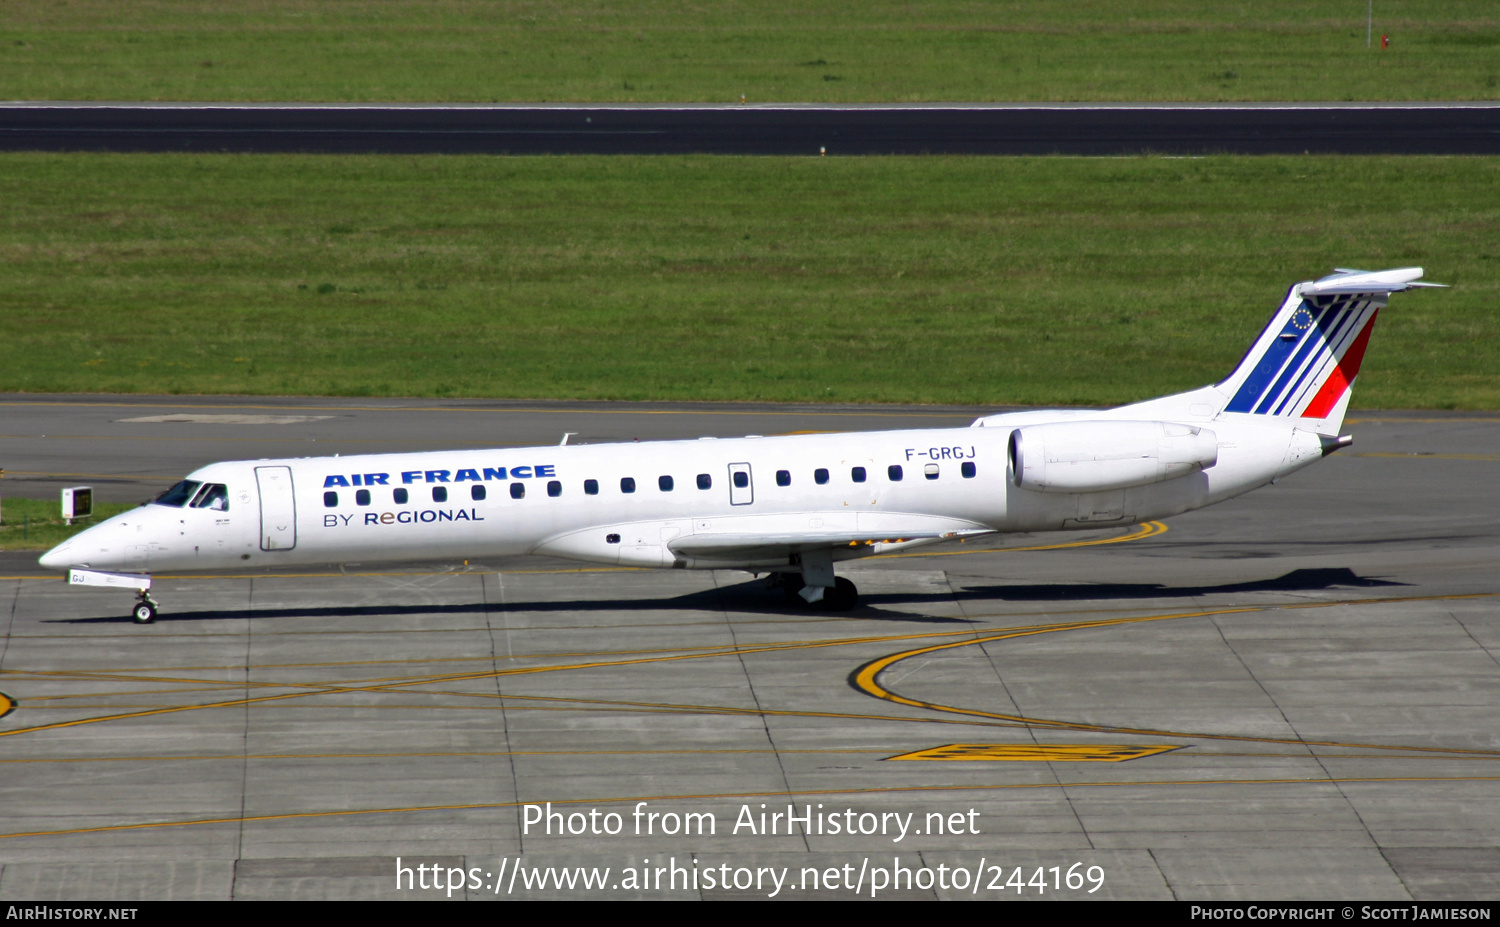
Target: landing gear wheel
{"type": "Point", "coordinates": [791, 584]}
{"type": "Point", "coordinates": [843, 596]}
{"type": "Point", "coordinates": [145, 609]}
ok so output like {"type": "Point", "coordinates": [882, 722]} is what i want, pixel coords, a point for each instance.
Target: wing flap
{"type": "Point", "coordinates": [752, 545]}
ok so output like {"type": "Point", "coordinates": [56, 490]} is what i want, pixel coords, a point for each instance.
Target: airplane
{"type": "Point", "coordinates": [790, 506]}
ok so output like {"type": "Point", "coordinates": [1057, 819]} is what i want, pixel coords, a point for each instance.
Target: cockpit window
{"type": "Point", "coordinates": [212, 496]}
{"type": "Point", "coordinates": [178, 495]}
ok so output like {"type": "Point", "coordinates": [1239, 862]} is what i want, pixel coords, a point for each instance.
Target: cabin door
{"type": "Point", "coordinates": [278, 510]}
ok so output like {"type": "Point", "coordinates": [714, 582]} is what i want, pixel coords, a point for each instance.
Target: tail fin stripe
{"type": "Point", "coordinates": [1293, 372]}
{"type": "Point", "coordinates": [1343, 375]}
{"type": "Point", "coordinates": [1282, 358]}
{"type": "Point", "coordinates": [1269, 365]}
{"type": "Point", "coordinates": [1314, 377]}
{"type": "Point", "coordinates": [1318, 351]}
{"type": "Point", "coordinates": [1328, 359]}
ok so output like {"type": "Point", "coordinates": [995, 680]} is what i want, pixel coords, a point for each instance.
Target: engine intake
{"type": "Point", "coordinates": [1101, 455]}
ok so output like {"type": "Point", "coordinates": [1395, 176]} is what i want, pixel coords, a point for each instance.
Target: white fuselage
{"type": "Point", "coordinates": [346, 509]}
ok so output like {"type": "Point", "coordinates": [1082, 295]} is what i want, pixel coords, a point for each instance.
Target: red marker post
{"type": "Point", "coordinates": [1385, 41]}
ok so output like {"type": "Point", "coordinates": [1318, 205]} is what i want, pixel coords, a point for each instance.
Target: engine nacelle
{"type": "Point", "coordinates": [1098, 455]}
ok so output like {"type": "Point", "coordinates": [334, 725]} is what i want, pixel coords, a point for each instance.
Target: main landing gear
{"type": "Point", "coordinates": [145, 608]}
{"type": "Point", "coordinates": [840, 597]}
{"type": "Point", "coordinates": [819, 586]}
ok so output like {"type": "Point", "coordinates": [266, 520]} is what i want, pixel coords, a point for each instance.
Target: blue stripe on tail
{"type": "Point", "coordinates": [1275, 358]}
{"type": "Point", "coordinates": [1306, 346]}
{"type": "Point", "coordinates": [1332, 325]}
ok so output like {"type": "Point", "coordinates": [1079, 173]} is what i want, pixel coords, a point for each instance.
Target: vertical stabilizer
{"type": "Point", "coordinates": [1304, 363]}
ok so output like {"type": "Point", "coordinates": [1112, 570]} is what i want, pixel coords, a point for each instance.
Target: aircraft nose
{"type": "Point", "coordinates": [80, 549]}
{"type": "Point", "coordinates": [59, 557]}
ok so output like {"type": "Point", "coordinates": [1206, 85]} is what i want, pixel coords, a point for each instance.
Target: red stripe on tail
{"type": "Point", "coordinates": [1343, 374]}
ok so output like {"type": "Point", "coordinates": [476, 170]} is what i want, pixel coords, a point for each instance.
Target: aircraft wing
{"type": "Point", "coordinates": [756, 539]}
{"type": "Point", "coordinates": [752, 546]}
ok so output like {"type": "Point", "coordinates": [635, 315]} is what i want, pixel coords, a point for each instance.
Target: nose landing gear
{"type": "Point", "coordinates": [145, 608]}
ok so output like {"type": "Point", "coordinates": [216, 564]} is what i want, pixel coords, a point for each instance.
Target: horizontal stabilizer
{"type": "Point", "coordinates": [1348, 282]}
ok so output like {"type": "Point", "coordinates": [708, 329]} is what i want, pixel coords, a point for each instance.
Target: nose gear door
{"type": "Point", "coordinates": [278, 509]}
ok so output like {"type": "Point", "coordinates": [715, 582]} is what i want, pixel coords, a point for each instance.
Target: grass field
{"type": "Point", "coordinates": [36, 524]}
{"type": "Point", "coordinates": [820, 50]}
{"type": "Point", "coordinates": [972, 280]}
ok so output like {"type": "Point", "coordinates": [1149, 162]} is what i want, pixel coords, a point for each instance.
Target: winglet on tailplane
{"type": "Point", "coordinates": [1304, 363]}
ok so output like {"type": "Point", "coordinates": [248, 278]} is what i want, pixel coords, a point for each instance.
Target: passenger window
{"type": "Point", "coordinates": [591, 487]}
{"type": "Point", "coordinates": [439, 494]}
{"type": "Point", "coordinates": [330, 499]}
{"type": "Point", "coordinates": [664, 483]}
{"type": "Point", "coordinates": [361, 497]}
{"type": "Point", "coordinates": [518, 490]}
{"type": "Point", "coordinates": [930, 471]}
{"type": "Point", "coordinates": [627, 484]}
{"type": "Point", "coordinates": [477, 492]}
{"type": "Point", "coordinates": [967, 469]}
{"type": "Point", "coordinates": [400, 496]}
{"type": "Point", "coordinates": [554, 488]}
{"type": "Point", "coordinates": [705, 481]}
{"type": "Point", "coordinates": [783, 477]}
{"type": "Point", "coordinates": [857, 474]}
{"type": "Point", "coordinates": [820, 476]}
{"type": "Point", "coordinates": [741, 479]}
{"type": "Point", "coordinates": [894, 472]}
{"type": "Point", "coordinates": [178, 495]}
{"type": "Point", "coordinates": [214, 496]}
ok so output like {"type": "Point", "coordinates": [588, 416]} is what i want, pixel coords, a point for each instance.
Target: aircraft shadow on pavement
{"type": "Point", "coordinates": [750, 597]}
{"type": "Point", "coordinates": [1296, 581]}
{"type": "Point", "coordinates": [754, 598]}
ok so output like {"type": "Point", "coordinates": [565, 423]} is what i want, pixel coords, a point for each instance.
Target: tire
{"type": "Point", "coordinates": [144, 613]}
{"type": "Point", "coordinates": [843, 596]}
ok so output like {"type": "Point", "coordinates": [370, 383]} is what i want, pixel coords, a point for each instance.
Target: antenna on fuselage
{"type": "Point", "coordinates": [566, 436]}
